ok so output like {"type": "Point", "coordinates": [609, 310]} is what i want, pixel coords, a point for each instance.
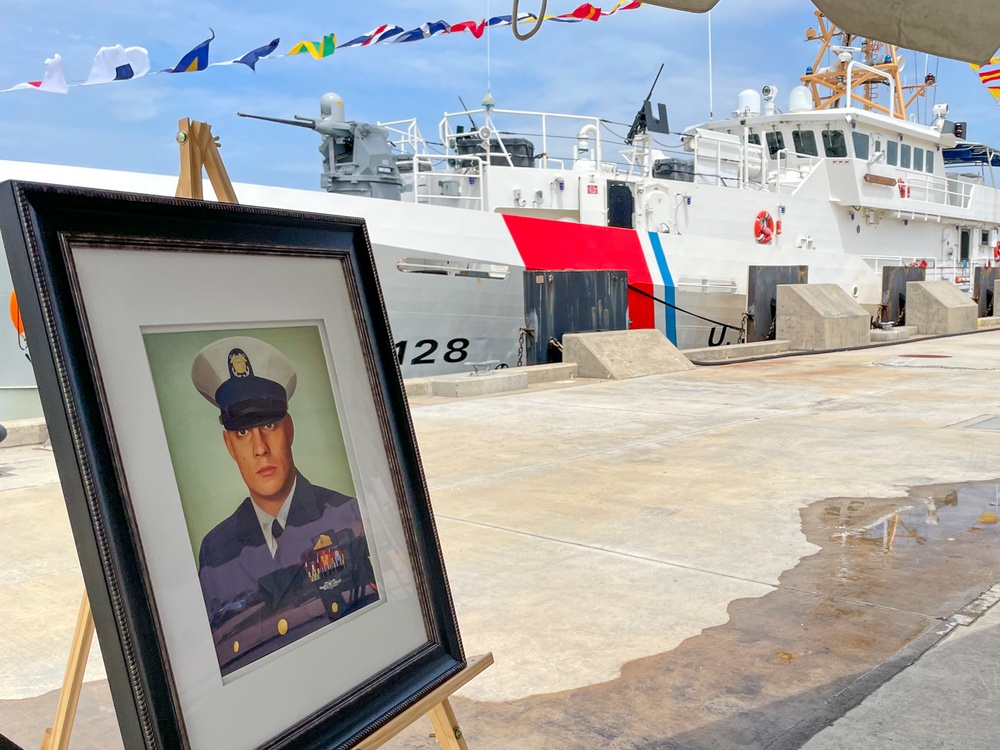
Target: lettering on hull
{"type": "Point", "coordinates": [425, 351]}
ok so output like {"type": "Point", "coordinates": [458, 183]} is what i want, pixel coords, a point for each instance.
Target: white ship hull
{"type": "Point", "coordinates": [452, 264]}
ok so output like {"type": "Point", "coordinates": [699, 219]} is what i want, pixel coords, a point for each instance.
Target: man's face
{"type": "Point", "coordinates": [264, 456]}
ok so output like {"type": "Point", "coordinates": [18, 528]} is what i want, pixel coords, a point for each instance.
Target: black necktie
{"type": "Point", "coordinates": [276, 530]}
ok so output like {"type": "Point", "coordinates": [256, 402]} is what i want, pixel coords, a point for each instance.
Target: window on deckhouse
{"type": "Point", "coordinates": [860, 144]}
{"type": "Point", "coordinates": [891, 153]}
{"type": "Point", "coordinates": [904, 156]}
{"type": "Point", "coordinates": [804, 142]}
{"type": "Point", "coordinates": [918, 159]}
{"type": "Point", "coordinates": [775, 142]}
{"type": "Point", "coordinates": [834, 143]}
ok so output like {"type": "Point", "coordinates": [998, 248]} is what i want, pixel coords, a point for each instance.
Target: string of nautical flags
{"type": "Point", "coordinates": [989, 75]}
{"type": "Point", "coordinates": [119, 63]}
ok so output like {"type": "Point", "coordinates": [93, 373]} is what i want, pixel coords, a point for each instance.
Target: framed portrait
{"type": "Point", "coordinates": [223, 399]}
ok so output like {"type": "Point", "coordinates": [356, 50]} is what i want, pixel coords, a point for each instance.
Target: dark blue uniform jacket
{"type": "Point", "coordinates": [322, 571]}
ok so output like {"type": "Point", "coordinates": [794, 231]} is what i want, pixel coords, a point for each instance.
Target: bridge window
{"type": "Point", "coordinates": [918, 159]}
{"type": "Point", "coordinates": [904, 156]}
{"type": "Point", "coordinates": [891, 153]}
{"type": "Point", "coordinates": [929, 162]}
{"type": "Point", "coordinates": [804, 142]}
{"type": "Point", "coordinates": [754, 138]}
{"type": "Point", "coordinates": [860, 144]}
{"type": "Point", "coordinates": [834, 143]}
{"type": "Point", "coordinates": [775, 142]}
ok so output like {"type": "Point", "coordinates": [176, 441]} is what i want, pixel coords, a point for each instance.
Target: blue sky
{"type": "Point", "coordinates": [602, 69]}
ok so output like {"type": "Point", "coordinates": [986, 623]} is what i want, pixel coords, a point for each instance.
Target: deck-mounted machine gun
{"type": "Point", "coordinates": [644, 120]}
{"type": "Point", "coordinates": [357, 159]}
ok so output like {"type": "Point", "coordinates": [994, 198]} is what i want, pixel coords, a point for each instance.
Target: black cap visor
{"type": "Point", "coordinates": [250, 402]}
{"type": "Point", "coordinates": [257, 412]}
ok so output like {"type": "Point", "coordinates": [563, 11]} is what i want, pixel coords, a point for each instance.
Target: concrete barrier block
{"type": "Point", "coordinates": [549, 373]}
{"type": "Point", "coordinates": [816, 317]}
{"type": "Point", "coordinates": [891, 334]}
{"type": "Point", "coordinates": [25, 432]}
{"type": "Point", "coordinates": [989, 323]}
{"type": "Point", "coordinates": [937, 307]}
{"type": "Point", "coordinates": [417, 387]}
{"type": "Point", "coordinates": [619, 355]}
{"type": "Point", "coordinates": [736, 351]}
{"type": "Point", "coordinates": [466, 384]}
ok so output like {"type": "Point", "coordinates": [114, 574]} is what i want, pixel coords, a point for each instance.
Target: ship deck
{"type": "Point", "coordinates": [736, 556]}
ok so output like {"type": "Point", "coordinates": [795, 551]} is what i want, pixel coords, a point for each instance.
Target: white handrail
{"type": "Point", "coordinates": [892, 84]}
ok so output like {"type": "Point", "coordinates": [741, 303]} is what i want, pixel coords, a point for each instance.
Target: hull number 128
{"type": "Point", "coordinates": [424, 352]}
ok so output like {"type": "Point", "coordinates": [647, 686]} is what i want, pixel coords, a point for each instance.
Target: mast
{"type": "Point", "coordinates": [869, 77]}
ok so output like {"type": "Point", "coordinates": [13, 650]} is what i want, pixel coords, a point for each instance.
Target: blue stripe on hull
{"type": "Point", "coordinates": [668, 287]}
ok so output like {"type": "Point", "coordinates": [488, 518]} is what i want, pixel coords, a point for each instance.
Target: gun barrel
{"type": "Point", "coordinates": [302, 123]}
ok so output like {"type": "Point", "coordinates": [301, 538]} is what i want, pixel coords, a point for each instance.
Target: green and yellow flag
{"type": "Point", "coordinates": [318, 50]}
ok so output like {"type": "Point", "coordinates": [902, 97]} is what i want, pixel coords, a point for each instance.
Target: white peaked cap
{"type": "Point", "coordinates": [212, 365]}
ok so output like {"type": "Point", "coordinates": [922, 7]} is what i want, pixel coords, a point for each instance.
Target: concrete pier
{"type": "Point", "coordinates": [724, 557]}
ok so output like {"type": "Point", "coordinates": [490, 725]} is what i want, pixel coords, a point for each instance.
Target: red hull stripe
{"type": "Point", "coordinates": [561, 246]}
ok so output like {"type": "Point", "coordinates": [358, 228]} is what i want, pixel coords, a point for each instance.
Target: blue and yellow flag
{"type": "Point", "coordinates": [195, 60]}
{"type": "Point", "coordinates": [252, 57]}
{"type": "Point", "coordinates": [318, 50]}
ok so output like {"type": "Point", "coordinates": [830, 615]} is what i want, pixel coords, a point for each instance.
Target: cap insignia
{"type": "Point", "coordinates": [239, 364]}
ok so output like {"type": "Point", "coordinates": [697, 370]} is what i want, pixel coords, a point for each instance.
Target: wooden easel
{"type": "Point", "coordinates": [200, 150]}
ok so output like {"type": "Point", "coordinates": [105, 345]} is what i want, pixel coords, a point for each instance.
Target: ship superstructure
{"type": "Point", "coordinates": [841, 181]}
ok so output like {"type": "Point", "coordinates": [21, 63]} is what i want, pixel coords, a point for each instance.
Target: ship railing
{"type": "Point", "coordinates": [792, 168]}
{"type": "Point", "coordinates": [549, 127]}
{"type": "Point", "coordinates": [405, 136]}
{"type": "Point", "coordinates": [726, 160]}
{"type": "Point", "coordinates": [878, 262]}
{"type": "Point", "coordinates": [958, 272]}
{"type": "Point", "coordinates": [933, 189]}
{"type": "Point", "coordinates": [434, 174]}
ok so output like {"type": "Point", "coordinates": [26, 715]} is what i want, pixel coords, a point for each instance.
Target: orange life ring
{"type": "Point", "coordinates": [15, 315]}
{"type": "Point", "coordinates": [996, 251]}
{"type": "Point", "coordinates": [763, 228]}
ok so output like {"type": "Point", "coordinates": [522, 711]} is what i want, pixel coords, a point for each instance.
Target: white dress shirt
{"type": "Point", "coordinates": [266, 519]}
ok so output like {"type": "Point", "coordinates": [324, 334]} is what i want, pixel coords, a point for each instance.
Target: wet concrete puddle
{"type": "Point", "coordinates": [889, 575]}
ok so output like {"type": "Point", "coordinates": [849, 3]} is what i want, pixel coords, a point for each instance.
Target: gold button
{"type": "Point", "coordinates": [335, 607]}
{"type": "Point", "coordinates": [236, 647]}
{"type": "Point", "coordinates": [282, 627]}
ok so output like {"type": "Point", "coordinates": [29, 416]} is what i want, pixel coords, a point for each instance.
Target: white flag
{"type": "Point", "coordinates": [118, 64]}
{"type": "Point", "coordinates": [53, 82]}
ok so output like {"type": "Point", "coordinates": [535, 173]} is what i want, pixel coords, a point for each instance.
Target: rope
{"type": "Point", "coordinates": [681, 309]}
{"type": "Point", "coordinates": [538, 22]}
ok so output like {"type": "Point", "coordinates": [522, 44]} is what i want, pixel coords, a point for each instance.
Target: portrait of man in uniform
{"type": "Point", "coordinates": [292, 557]}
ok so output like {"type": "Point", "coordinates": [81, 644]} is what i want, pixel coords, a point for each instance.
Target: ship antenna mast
{"type": "Point", "coordinates": [881, 64]}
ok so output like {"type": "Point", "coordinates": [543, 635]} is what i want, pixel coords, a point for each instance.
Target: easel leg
{"type": "Point", "coordinates": [446, 729]}
{"type": "Point", "coordinates": [57, 738]}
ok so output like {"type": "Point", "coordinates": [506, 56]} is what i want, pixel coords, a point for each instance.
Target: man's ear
{"type": "Point", "coordinates": [229, 443]}
{"type": "Point", "coordinates": [291, 429]}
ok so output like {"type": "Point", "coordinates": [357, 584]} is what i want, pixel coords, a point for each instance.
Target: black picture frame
{"type": "Point", "coordinates": [42, 227]}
